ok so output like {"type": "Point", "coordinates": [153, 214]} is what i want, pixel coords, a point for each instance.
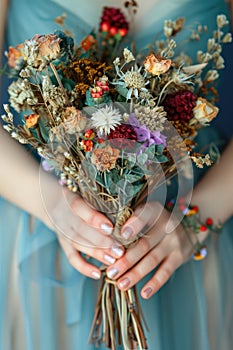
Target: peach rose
{"type": "Point", "coordinates": [49, 46]}
{"type": "Point", "coordinates": [156, 65]}
{"type": "Point", "coordinates": [105, 158]}
{"type": "Point", "coordinates": [203, 112]}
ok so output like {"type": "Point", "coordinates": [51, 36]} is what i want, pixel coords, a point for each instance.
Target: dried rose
{"type": "Point", "coordinates": [156, 65]}
{"type": "Point", "coordinates": [31, 120]}
{"type": "Point", "coordinates": [74, 121]}
{"type": "Point", "coordinates": [49, 46]}
{"type": "Point", "coordinates": [14, 54]}
{"type": "Point", "coordinates": [41, 49]}
{"type": "Point", "coordinates": [105, 158]}
{"type": "Point", "coordinates": [203, 112]}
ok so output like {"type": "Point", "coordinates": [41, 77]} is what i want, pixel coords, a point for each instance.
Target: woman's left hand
{"type": "Point", "coordinates": [164, 246]}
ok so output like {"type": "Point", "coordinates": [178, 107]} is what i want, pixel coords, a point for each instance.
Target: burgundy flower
{"type": "Point", "coordinates": [123, 136]}
{"type": "Point", "coordinates": [113, 21]}
{"type": "Point", "coordinates": [179, 105]}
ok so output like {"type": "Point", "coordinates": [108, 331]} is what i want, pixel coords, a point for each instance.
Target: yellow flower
{"type": "Point", "coordinates": [31, 120]}
{"type": "Point", "coordinates": [156, 65]}
{"type": "Point", "coordinates": [105, 158]}
{"type": "Point", "coordinates": [203, 112]}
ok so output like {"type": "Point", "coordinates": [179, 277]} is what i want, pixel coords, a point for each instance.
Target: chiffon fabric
{"type": "Point", "coordinates": [47, 305]}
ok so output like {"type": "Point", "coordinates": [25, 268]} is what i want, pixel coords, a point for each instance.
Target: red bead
{"type": "Point", "coordinates": [123, 31]}
{"type": "Point", "coordinates": [105, 27]}
{"type": "Point", "coordinates": [195, 208]}
{"type": "Point", "coordinates": [182, 207]}
{"type": "Point", "coordinates": [209, 222]}
{"type": "Point", "coordinates": [181, 200]}
{"type": "Point", "coordinates": [203, 228]}
{"type": "Point", "coordinates": [113, 31]}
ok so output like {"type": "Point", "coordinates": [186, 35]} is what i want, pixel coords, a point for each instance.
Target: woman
{"type": "Point", "coordinates": [42, 287]}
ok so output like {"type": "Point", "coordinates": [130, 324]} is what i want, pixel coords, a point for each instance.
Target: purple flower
{"type": "Point", "coordinates": [46, 166]}
{"type": "Point", "coordinates": [158, 138]}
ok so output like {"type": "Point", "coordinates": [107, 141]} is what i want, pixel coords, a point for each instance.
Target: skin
{"type": "Point", "coordinates": [69, 214]}
{"type": "Point", "coordinates": [169, 251]}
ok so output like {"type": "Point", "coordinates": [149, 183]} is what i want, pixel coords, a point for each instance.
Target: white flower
{"type": "Point", "coordinates": [128, 56]}
{"type": "Point", "coordinates": [106, 119]}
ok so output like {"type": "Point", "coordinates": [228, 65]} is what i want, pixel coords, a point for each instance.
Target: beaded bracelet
{"type": "Point", "coordinates": [192, 224]}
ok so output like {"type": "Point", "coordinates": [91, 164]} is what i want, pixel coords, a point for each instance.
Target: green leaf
{"type": "Point", "coordinates": [90, 169]}
{"type": "Point", "coordinates": [142, 159]}
{"type": "Point", "coordinates": [161, 159]}
{"type": "Point", "coordinates": [123, 91]}
{"type": "Point", "coordinates": [159, 149]}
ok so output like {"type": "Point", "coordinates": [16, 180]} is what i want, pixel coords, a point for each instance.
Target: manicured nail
{"type": "Point", "coordinates": [107, 228]}
{"type": "Point", "coordinates": [112, 272]}
{"type": "Point", "coordinates": [109, 259]}
{"type": "Point", "coordinates": [96, 275]}
{"type": "Point", "coordinates": [147, 292]}
{"type": "Point", "coordinates": [124, 283]}
{"type": "Point", "coordinates": [127, 232]}
{"type": "Point", "coordinates": [118, 251]}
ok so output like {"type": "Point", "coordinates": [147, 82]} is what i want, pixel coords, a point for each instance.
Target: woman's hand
{"type": "Point", "coordinates": [164, 246]}
{"type": "Point", "coordinates": [81, 229]}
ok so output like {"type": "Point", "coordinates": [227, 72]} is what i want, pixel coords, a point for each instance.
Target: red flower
{"type": "Point", "coordinates": [123, 136]}
{"type": "Point", "coordinates": [89, 134]}
{"type": "Point", "coordinates": [113, 21]}
{"type": "Point", "coordinates": [179, 105]}
{"type": "Point", "coordinates": [87, 145]}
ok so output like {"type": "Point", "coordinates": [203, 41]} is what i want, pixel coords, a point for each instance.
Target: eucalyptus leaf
{"type": "Point", "coordinates": [90, 169]}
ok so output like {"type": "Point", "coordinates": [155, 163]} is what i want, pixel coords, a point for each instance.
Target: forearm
{"type": "Point", "coordinates": [3, 14]}
{"type": "Point", "coordinates": [20, 183]}
{"type": "Point", "coordinates": [214, 193]}
{"type": "Point", "coordinates": [230, 3]}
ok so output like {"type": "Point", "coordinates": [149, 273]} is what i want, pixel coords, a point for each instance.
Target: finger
{"type": "Point", "coordinates": [78, 262]}
{"type": "Point", "coordinates": [144, 216]}
{"type": "Point", "coordinates": [106, 256]}
{"type": "Point", "coordinates": [162, 275]}
{"type": "Point", "coordinates": [134, 254]}
{"type": "Point", "coordinates": [91, 216]}
{"type": "Point", "coordinates": [141, 269]}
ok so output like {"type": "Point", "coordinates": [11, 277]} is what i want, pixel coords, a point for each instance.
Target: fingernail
{"type": "Point", "coordinates": [109, 259]}
{"type": "Point", "coordinates": [127, 232]}
{"type": "Point", "coordinates": [147, 292]}
{"type": "Point", "coordinates": [124, 283]}
{"type": "Point", "coordinates": [112, 272]}
{"type": "Point", "coordinates": [96, 275]}
{"type": "Point", "coordinates": [107, 228]}
{"type": "Point", "coordinates": [118, 251]}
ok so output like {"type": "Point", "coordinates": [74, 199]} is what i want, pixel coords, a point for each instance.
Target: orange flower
{"type": "Point", "coordinates": [31, 120]}
{"type": "Point", "coordinates": [156, 65]}
{"type": "Point", "coordinates": [87, 145]}
{"type": "Point", "coordinates": [14, 54]}
{"type": "Point", "coordinates": [88, 42]}
{"type": "Point", "coordinates": [89, 134]}
{"type": "Point", "coordinates": [105, 158]}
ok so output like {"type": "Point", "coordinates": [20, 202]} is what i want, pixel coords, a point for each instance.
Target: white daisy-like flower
{"type": "Point", "coordinates": [106, 119]}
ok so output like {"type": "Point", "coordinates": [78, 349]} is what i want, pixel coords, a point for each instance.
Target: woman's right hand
{"type": "Point", "coordinates": [82, 229]}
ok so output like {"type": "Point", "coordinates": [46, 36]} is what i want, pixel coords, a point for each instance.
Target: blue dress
{"type": "Point", "coordinates": [44, 303]}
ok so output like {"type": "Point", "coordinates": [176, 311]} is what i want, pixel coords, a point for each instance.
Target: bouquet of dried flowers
{"type": "Point", "coordinates": [109, 125]}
